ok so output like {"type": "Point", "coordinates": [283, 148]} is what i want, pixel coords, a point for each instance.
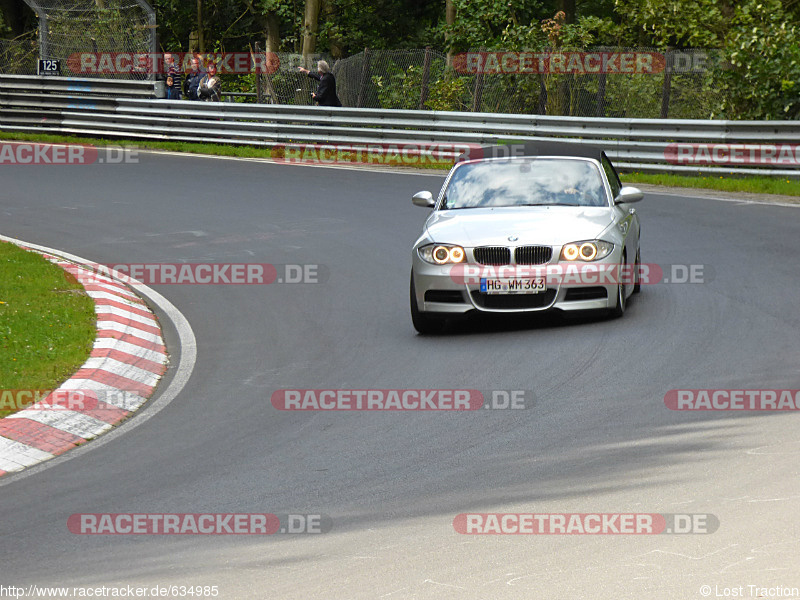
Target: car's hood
{"type": "Point", "coordinates": [536, 225]}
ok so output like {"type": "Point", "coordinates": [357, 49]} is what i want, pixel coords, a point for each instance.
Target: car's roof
{"type": "Point", "coordinates": [533, 149]}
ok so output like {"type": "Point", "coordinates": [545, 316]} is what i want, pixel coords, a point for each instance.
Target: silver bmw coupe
{"type": "Point", "coordinates": [526, 228]}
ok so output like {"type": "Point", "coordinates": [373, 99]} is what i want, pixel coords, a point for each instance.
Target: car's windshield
{"type": "Point", "coordinates": [525, 182]}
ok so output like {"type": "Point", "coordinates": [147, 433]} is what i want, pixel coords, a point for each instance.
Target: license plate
{"type": "Point", "coordinates": [512, 286]}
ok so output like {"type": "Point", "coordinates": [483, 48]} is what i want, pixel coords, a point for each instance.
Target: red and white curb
{"type": "Point", "coordinates": [122, 371]}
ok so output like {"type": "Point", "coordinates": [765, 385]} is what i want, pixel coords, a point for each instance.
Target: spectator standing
{"type": "Point", "coordinates": [210, 88]}
{"type": "Point", "coordinates": [326, 92]}
{"type": "Point", "coordinates": [173, 79]}
{"type": "Point", "coordinates": [192, 81]}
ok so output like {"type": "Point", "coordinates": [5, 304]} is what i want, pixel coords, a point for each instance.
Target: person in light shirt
{"type": "Point", "coordinates": [210, 88]}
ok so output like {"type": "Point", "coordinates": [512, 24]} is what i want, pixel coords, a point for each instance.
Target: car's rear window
{"type": "Point", "coordinates": [525, 182]}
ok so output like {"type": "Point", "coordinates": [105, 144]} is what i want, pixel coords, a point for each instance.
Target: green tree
{"type": "Point", "coordinates": [763, 80]}
{"type": "Point", "coordinates": [681, 23]}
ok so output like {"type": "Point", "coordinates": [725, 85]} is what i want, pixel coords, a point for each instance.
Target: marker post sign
{"type": "Point", "coordinates": [49, 66]}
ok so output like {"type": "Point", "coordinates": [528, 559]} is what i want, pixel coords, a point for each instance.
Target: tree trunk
{"type": "Point", "coordinates": [568, 6]}
{"type": "Point", "coordinates": [14, 15]}
{"type": "Point", "coordinates": [450, 16]}
{"type": "Point", "coordinates": [310, 28]}
{"type": "Point", "coordinates": [272, 28]}
{"type": "Point", "coordinates": [201, 38]}
{"type": "Point", "coordinates": [329, 10]}
{"type": "Point", "coordinates": [270, 24]}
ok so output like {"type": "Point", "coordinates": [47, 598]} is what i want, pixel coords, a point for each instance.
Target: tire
{"type": "Point", "coordinates": [619, 309]}
{"type": "Point", "coordinates": [637, 286]}
{"type": "Point", "coordinates": [424, 323]}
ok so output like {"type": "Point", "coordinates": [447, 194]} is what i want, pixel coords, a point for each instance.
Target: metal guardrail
{"type": "Point", "coordinates": [116, 88]}
{"type": "Point", "coordinates": [238, 95]}
{"type": "Point", "coordinates": [127, 109]}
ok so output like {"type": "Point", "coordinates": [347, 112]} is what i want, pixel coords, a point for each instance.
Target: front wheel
{"type": "Point", "coordinates": [619, 309]}
{"type": "Point", "coordinates": [424, 323]}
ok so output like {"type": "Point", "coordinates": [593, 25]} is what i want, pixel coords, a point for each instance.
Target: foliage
{"type": "Point", "coordinates": [448, 93]}
{"type": "Point", "coordinates": [488, 23]}
{"type": "Point", "coordinates": [400, 89]}
{"type": "Point", "coordinates": [763, 80]}
{"type": "Point", "coordinates": [19, 56]}
{"type": "Point", "coordinates": [682, 23]}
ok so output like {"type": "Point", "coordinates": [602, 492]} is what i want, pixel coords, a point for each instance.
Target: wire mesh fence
{"type": "Point", "coordinates": [597, 82]}
{"type": "Point", "coordinates": [82, 33]}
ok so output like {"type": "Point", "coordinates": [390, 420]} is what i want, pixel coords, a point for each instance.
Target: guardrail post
{"type": "Point", "coordinates": [478, 96]}
{"type": "Point", "coordinates": [542, 108]}
{"type": "Point", "coordinates": [145, 5]}
{"type": "Point", "coordinates": [258, 75]}
{"type": "Point", "coordinates": [426, 76]}
{"type": "Point", "coordinates": [665, 90]}
{"type": "Point", "coordinates": [600, 111]}
{"type": "Point", "coordinates": [44, 38]}
{"type": "Point", "coordinates": [364, 76]}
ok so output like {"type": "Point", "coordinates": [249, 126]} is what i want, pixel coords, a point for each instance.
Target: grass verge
{"type": "Point", "coordinates": [47, 325]}
{"type": "Point", "coordinates": [751, 184]}
{"type": "Point", "coordinates": [196, 148]}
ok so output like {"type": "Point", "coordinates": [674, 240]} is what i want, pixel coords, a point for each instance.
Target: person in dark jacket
{"type": "Point", "coordinates": [192, 80]}
{"type": "Point", "coordinates": [326, 92]}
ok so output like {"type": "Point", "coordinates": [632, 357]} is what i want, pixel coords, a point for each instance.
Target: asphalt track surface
{"type": "Point", "coordinates": [599, 438]}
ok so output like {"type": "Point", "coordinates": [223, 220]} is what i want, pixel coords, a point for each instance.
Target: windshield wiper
{"type": "Point", "coordinates": [547, 204]}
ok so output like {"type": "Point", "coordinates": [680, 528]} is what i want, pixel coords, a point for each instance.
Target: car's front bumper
{"type": "Point", "coordinates": [441, 289]}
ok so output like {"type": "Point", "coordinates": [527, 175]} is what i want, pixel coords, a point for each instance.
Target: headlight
{"type": "Point", "coordinates": [441, 254]}
{"type": "Point", "coordinates": [586, 251]}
